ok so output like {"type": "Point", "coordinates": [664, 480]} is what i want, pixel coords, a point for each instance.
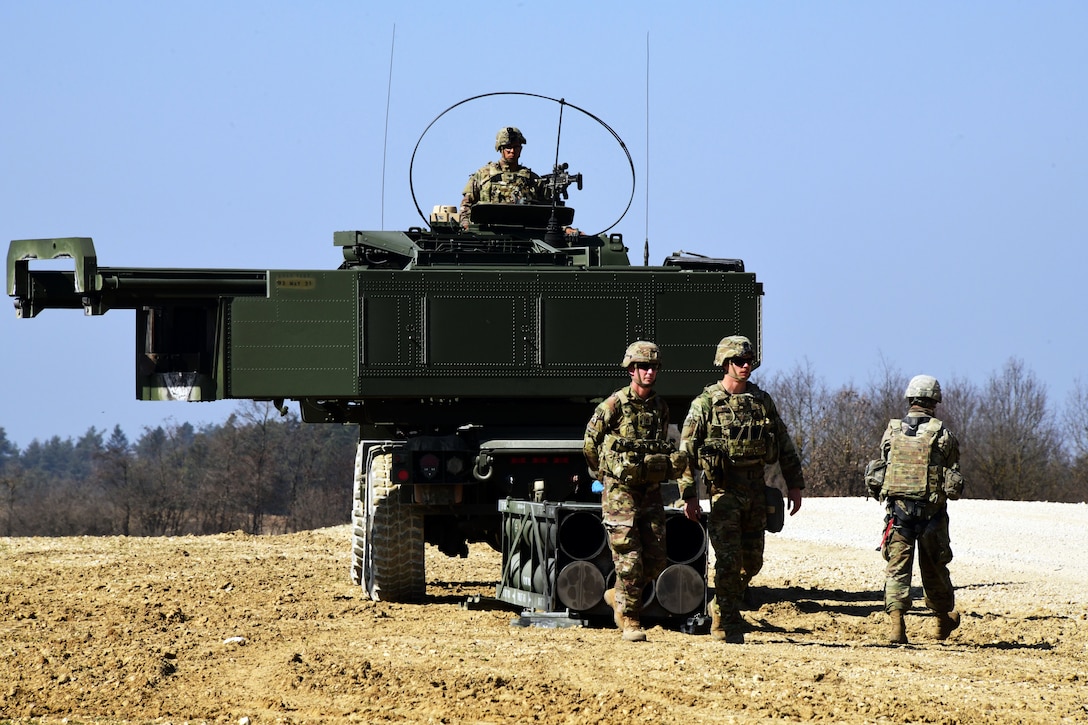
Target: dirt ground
{"type": "Point", "coordinates": [238, 629]}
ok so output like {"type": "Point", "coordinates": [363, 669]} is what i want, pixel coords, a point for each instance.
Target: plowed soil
{"type": "Point", "coordinates": [237, 628]}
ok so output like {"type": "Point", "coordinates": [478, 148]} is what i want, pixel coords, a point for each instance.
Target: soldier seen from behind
{"type": "Point", "coordinates": [732, 431]}
{"type": "Point", "coordinates": [916, 475]}
{"type": "Point", "coordinates": [504, 181]}
{"type": "Point", "coordinates": [626, 448]}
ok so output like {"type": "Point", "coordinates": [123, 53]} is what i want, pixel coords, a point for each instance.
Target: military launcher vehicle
{"type": "Point", "coordinates": [470, 360]}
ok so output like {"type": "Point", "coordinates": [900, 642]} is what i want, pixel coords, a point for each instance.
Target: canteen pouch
{"type": "Point", "coordinates": [874, 476]}
{"type": "Point", "coordinates": [953, 484]}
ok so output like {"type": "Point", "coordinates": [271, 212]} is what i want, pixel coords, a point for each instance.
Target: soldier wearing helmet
{"type": "Point", "coordinates": [504, 181]}
{"type": "Point", "coordinates": [627, 449]}
{"type": "Point", "coordinates": [732, 430]}
{"type": "Point", "coordinates": [916, 475]}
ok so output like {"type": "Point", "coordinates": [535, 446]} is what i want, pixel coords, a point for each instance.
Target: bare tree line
{"type": "Point", "coordinates": [263, 473]}
{"type": "Point", "coordinates": [256, 472]}
{"type": "Point", "coordinates": [1012, 444]}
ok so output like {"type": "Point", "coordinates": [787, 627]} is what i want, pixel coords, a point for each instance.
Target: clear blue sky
{"type": "Point", "coordinates": [908, 180]}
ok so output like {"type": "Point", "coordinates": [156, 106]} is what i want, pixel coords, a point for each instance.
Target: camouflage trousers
{"type": "Point", "coordinates": [738, 518]}
{"type": "Point", "coordinates": [634, 516]}
{"type": "Point", "coordinates": [915, 528]}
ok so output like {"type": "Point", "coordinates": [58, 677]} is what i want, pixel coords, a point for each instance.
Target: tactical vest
{"type": "Point", "coordinates": [641, 434]}
{"type": "Point", "coordinates": [742, 427]}
{"type": "Point", "coordinates": [914, 462]}
{"type": "Point", "coordinates": [507, 187]}
{"type": "Point", "coordinates": [740, 433]}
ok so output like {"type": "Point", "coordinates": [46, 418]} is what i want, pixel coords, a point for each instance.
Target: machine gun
{"type": "Point", "coordinates": [555, 184]}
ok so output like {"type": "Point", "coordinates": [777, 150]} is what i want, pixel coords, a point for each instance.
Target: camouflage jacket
{"type": "Point", "coordinates": [724, 430]}
{"type": "Point", "coordinates": [617, 423]}
{"type": "Point", "coordinates": [499, 183]}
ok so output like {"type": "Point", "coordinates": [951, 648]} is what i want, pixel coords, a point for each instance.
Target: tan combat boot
{"type": "Point", "coordinates": [610, 600]}
{"type": "Point", "coordinates": [946, 622]}
{"type": "Point", "coordinates": [632, 630]}
{"type": "Point", "coordinates": [717, 631]}
{"type": "Point", "coordinates": [897, 632]}
{"type": "Point", "coordinates": [720, 633]}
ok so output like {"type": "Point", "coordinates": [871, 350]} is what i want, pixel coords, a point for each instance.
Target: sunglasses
{"type": "Point", "coordinates": [647, 366]}
{"type": "Point", "coordinates": [740, 361]}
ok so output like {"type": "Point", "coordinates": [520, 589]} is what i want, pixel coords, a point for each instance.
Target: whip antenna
{"type": "Point", "coordinates": [559, 131]}
{"type": "Point", "coordinates": [646, 244]}
{"type": "Point", "coordinates": [385, 136]}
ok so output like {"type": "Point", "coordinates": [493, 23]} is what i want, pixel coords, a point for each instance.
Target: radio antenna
{"type": "Point", "coordinates": [385, 136]}
{"type": "Point", "coordinates": [559, 130]}
{"type": "Point", "coordinates": [646, 244]}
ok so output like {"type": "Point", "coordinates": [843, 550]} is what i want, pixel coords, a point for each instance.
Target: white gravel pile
{"type": "Point", "coordinates": [1021, 549]}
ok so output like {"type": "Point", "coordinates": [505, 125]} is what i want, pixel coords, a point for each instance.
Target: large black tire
{"type": "Point", "coordinates": [387, 534]}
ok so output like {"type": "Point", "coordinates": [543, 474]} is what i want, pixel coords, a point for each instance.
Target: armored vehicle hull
{"type": "Point", "coordinates": [470, 359]}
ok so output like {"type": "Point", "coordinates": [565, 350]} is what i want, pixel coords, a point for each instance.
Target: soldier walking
{"type": "Point", "coordinates": [916, 475]}
{"type": "Point", "coordinates": [732, 430]}
{"type": "Point", "coordinates": [626, 448]}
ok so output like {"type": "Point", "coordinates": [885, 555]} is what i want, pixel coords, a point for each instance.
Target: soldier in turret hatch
{"type": "Point", "coordinates": [504, 181]}
{"type": "Point", "coordinates": [627, 448]}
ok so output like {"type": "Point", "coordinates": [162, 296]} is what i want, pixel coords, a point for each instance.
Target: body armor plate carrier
{"type": "Point", "coordinates": [910, 473]}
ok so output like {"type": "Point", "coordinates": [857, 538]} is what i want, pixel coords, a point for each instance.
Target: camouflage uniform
{"type": "Point", "coordinates": [732, 436]}
{"type": "Point", "coordinates": [918, 523]}
{"type": "Point", "coordinates": [501, 182]}
{"type": "Point", "coordinates": [917, 473]}
{"type": "Point", "coordinates": [631, 506]}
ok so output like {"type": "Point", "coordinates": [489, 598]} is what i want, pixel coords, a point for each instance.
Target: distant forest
{"type": "Point", "coordinates": [263, 473]}
{"type": "Point", "coordinates": [257, 472]}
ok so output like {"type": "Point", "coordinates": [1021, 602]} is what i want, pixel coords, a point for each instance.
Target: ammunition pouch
{"type": "Point", "coordinates": [656, 468]}
{"type": "Point", "coordinates": [718, 455]}
{"type": "Point", "coordinates": [624, 465]}
{"type": "Point", "coordinates": [753, 441]}
{"type": "Point", "coordinates": [679, 461]}
{"type": "Point", "coordinates": [714, 461]}
{"type": "Point", "coordinates": [874, 476]}
{"type": "Point", "coordinates": [640, 461]}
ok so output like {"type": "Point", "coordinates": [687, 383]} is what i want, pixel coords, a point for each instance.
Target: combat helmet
{"type": "Point", "coordinates": [735, 346]}
{"type": "Point", "coordinates": [509, 136]}
{"type": "Point", "coordinates": [641, 351]}
{"type": "Point", "coordinates": [923, 386]}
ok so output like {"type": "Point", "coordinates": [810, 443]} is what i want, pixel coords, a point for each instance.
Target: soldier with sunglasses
{"type": "Point", "coordinates": [504, 181]}
{"type": "Point", "coordinates": [627, 449]}
{"type": "Point", "coordinates": [732, 431]}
